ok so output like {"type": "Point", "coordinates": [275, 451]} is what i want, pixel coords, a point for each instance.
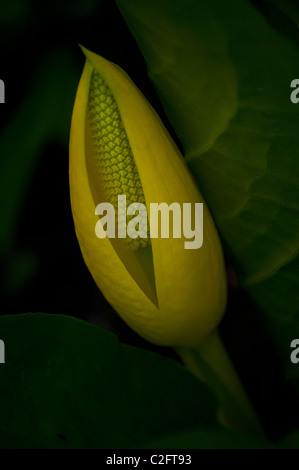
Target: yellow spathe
{"type": "Point", "coordinates": [187, 299]}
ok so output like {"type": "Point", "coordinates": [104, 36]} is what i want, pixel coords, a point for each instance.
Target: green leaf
{"type": "Point", "coordinates": [206, 438]}
{"type": "Point", "coordinates": [186, 66]}
{"type": "Point", "coordinates": [283, 15]}
{"type": "Point", "coordinates": [69, 384]}
{"type": "Point", "coordinates": [223, 75]}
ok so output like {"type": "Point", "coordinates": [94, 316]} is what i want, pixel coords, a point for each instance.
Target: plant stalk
{"type": "Point", "coordinates": [211, 364]}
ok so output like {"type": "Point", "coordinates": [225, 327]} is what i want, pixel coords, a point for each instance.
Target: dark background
{"type": "Point", "coordinates": [42, 269]}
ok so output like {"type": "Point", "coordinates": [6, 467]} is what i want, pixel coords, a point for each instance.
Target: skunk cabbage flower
{"type": "Point", "coordinates": [120, 152]}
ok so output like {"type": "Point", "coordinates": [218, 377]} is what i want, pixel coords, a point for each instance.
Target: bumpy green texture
{"type": "Point", "coordinates": [115, 162]}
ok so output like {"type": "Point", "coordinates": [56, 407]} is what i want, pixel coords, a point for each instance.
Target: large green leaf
{"type": "Point", "coordinates": [207, 438]}
{"type": "Point", "coordinates": [69, 384]}
{"type": "Point", "coordinates": [223, 75]}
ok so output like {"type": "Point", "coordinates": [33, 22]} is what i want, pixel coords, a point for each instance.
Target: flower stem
{"type": "Point", "coordinates": [211, 363]}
